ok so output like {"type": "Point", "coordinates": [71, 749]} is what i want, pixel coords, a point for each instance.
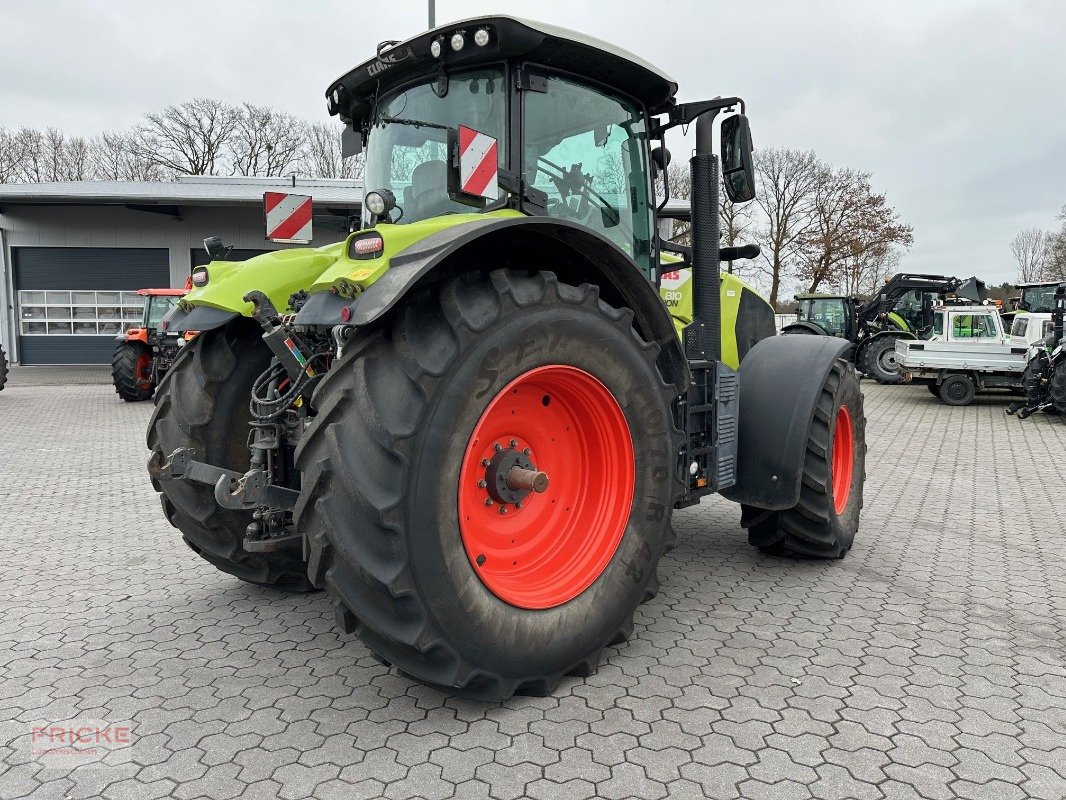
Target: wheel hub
{"type": "Point", "coordinates": [510, 476]}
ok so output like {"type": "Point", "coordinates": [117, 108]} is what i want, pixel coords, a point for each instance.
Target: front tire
{"type": "Point", "coordinates": [879, 361]}
{"type": "Point", "coordinates": [131, 371]}
{"type": "Point", "coordinates": [824, 522]}
{"type": "Point", "coordinates": [399, 470]}
{"type": "Point", "coordinates": [1058, 386]}
{"type": "Point", "coordinates": [203, 404]}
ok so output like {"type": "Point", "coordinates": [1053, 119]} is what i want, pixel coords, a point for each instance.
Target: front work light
{"type": "Point", "coordinates": [379, 202]}
{"type": "Point", "coordinates": [481, 37]}
{"type": "Point", "coordinates": [435, 48]}
{"type": "Point", "coordinates": [458, 42]}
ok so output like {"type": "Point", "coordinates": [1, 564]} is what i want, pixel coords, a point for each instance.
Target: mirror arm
{"type": "Point", "coordinates": [686, 113]}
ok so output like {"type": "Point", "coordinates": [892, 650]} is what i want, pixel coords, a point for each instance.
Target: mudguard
{"type": "Point", "coordinates": [780, 382]}
{"type": "Point", "coordinates": [805, 328]}
{"type": "Point", "coordinates": [880, 335]}
{"type": "Point", "coordinates": [572, 251]}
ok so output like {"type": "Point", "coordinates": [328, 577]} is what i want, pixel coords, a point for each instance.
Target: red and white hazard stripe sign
{"type": "Point", "coordinates": [478, 163]}
{"type": "Point", "coordinates": [288, 217]}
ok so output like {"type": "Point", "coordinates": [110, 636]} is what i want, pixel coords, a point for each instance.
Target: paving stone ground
{"type": "Point", "coordinates": [928, 663]}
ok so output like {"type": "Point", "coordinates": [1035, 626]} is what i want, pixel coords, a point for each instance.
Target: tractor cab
{"type": "Point", "coordinates": [832, 314]}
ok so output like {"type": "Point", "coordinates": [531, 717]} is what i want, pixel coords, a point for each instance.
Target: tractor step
{"type": "Point", "coordinates": [709, 459]}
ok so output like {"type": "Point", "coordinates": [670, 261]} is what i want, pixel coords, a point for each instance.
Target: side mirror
{"type": "Point", "coordinates": [660, 159]}
{"type": "Point", "coordinates": [738, 171]}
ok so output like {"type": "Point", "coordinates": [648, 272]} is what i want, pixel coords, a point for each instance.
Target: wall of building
{"type": "Point", "coordinates": [116, 226]}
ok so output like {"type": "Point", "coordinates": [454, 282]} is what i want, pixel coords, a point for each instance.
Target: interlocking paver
{"type": "Point", "coordinates": [927, 664]}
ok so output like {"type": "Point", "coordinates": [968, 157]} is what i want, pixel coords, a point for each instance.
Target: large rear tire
{"type": "Point", "coordinates": [203, 404]}
{"type": "Point", "coordinates": [131, 371]}
{"type": "Point", "coordinates": [438, 570]}
{"type": "Point", "coordinates": [3, 368]}
{"type": "Point", "coordinates": [824, 522]}
{"type": "Point", "coordinates": [879, 361]}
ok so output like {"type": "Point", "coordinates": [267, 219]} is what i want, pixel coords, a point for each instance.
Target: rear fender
{"type": "Point", "coordinates": [804, 327]}
{"type": "Point", "coordinates": [574, 253]}
{"type": "Point", "coordinates": [278, 274]}
{"type": "Point", "coordinates": [878, 336]}
{"type": "Point", "coordinates": [780, 383]}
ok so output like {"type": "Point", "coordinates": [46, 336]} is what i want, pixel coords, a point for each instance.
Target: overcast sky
{"type": "Point", "coordinates": [956, 107]}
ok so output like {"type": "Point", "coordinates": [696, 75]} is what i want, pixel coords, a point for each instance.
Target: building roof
{"type": "Point", "coordinates": [188, 190]}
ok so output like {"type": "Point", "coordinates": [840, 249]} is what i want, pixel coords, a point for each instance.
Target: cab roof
{"type": "Point", "coordinates": [509, 38]}
{"type": "Point", "coordinates": [819, 296]}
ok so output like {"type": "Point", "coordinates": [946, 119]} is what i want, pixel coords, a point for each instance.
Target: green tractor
{"type": "Point", "coordinates": [470, 422]}
{"type": "Point", "coordinates": [902, 309]}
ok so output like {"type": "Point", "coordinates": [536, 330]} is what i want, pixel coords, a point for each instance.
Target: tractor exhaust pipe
{"type": "Point", "coordinates": [703, 341]}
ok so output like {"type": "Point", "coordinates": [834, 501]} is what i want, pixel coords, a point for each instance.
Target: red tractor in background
{"type": "Point", "coordinates": [144, 354]}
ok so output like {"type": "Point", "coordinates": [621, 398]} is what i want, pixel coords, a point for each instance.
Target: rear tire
{"type": "Point", "coordinates": [131, 371]}
{"type": "Point", "coordinates": [933, 389]}
{"type": "Point", "coordinates": [3, 368]}
{"type": "Point", "coordinates": [824, 522]}
{"type": "Point", "coordinates": [203, 404]}
{"type": "Point", "coordinates": [388, 510]}
{"type": "Point", "coordinates": [879, 361]}
{"type": "Point", "coordinates": [958, 390]}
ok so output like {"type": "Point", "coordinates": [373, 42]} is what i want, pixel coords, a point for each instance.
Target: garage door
{"type": "Point", "coordinates": [72, 301]}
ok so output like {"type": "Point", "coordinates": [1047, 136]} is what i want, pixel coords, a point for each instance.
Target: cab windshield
{"type": "Point", "coordinates": [826, 312]}
{"type": "Point", "coordinates": [407, 145]}
{"type": "Point", "coordinates": [1038, 299]}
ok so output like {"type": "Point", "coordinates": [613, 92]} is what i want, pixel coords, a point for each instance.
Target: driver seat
{"type": "Point", "coordinates": [428, 193]}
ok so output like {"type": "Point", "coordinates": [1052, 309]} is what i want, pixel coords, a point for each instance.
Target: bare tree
{"type": "Point", "coordinates": [115, 157]}
{"type": "Point", "coordinates": [1055, 253]}
{"type": "Point", "coordinates": [321, 154]}
{"type": "Point", "coordinates": [187, 139]}
{"type": "Point", "coordinates": [11, 156]}
{"type": "Point", "coordinates": [1030, 248]}
{"type": "Point", "coordinates": [864, 272]}
{"type": "Point", "coordinates": [265, 141]}
{"type": "Point", "coordinates": [848, 220]}
{"type": "Point", "coordinates": [786, 182]}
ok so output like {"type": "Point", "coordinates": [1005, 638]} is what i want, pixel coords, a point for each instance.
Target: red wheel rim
{"type": "Point", "coordinates": [843, 459]}
{"type": "Point", "coordinates": [142, 371]}
{"type": "Point", "coordinates": [545, 549]}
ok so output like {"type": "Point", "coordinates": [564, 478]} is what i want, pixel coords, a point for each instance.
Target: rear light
{"type": "Point", "coordinates": [199, 277]}
{"type": "Point", "coordinates": [367, 246]}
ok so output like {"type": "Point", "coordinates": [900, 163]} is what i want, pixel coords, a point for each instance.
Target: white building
{"type": "Point", "coordinates": [73, 254]}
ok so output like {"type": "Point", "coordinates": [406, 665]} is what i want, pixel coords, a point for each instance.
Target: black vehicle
{"type": "Point", "coordinates": [1045, 376]}
{"type": "Point", "coordinates": [902, 309]}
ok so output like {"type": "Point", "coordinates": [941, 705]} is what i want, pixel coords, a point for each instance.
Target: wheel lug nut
{"type": "Point", "coordinates": [527, 451]}
{"type": "Point", "coordinates": [488, 501]}
{"type": "Point", "coordinates": [503, 509]}
{"type": "Point", "coordinates": [485, 462]}
{"type": "Point", "coordinates": [514, 443]}
{"type": "Point", "coordinates": [482, 484]}
{"type": "Point", "coordinates": [497, 447]}
{"type": "Point", "coordinates": [517, 505]}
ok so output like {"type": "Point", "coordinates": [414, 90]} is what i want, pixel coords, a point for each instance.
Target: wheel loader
{"type": "Point", "coordinates": [471, 421]}
{"type": "Point", "coordinates": [902, 309]}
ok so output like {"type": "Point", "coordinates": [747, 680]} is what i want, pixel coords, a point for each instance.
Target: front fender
{"type": "Point", "coordinates": [781, 380]}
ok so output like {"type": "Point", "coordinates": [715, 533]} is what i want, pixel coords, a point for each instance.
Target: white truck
{"type": "Point", "coordinates": [970, 351]}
